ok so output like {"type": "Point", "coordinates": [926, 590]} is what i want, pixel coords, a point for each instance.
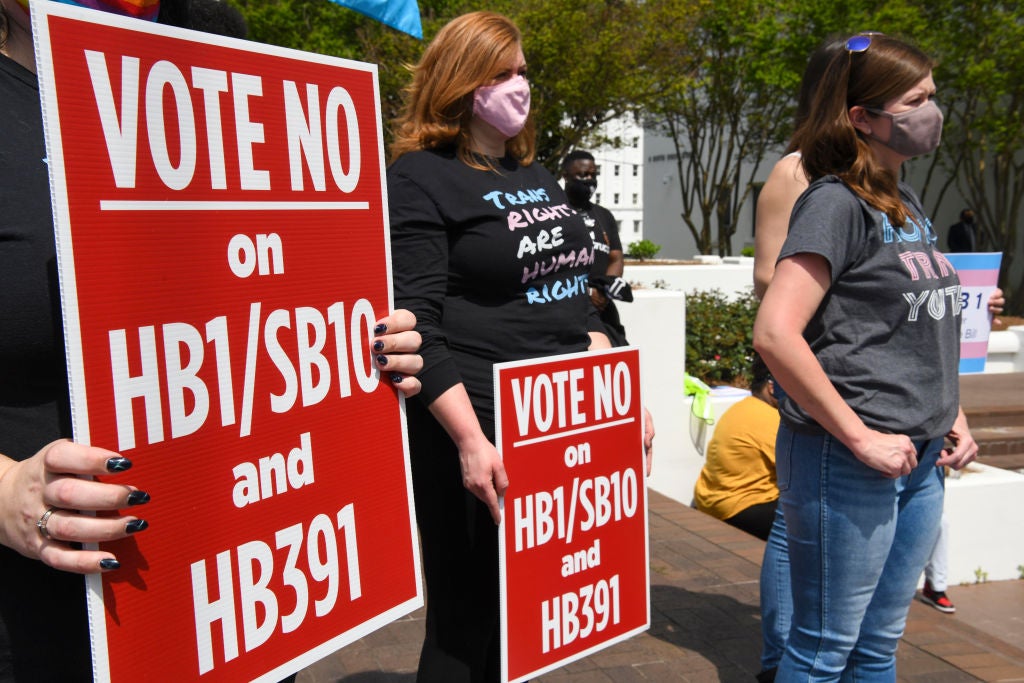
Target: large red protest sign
{"type": "Point", "coordinates": [574, 557]}
{"type": "Point", "coordinates": [221, 231]}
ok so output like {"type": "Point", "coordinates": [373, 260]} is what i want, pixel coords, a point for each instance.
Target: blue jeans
{"type": "Point", "coordinates": [858, 543]}
{"type": "Point", "coordinates": [776, 595]}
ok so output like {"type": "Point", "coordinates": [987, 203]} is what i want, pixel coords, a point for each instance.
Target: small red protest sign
{"type": "Point", "coordinates": [221, 229]}
{"type": "Point", "coordinates": [574, 556]}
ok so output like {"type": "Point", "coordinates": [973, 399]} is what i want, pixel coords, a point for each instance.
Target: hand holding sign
{"type": "Point", "coordinates": [213, 339]}
{"type": "Point", "coordinates": [42, 499]}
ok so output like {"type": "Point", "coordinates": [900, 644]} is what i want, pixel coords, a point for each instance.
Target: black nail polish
{"type": "Point", "coordinates": [397, 379]}
{"type": "Point", "coordinates": [378, 345]}
{"type": "Point", "coordinates": [109, 563]}
{"type": "Point", "coordinates": [118, 464]}
{"type": "Point", "coordinates": [136, 525]}
{"type": "Point", "coordinates": [138, 498]}
{"type": "Point", "coordinates": [380, 329]}
{"type": "Point", "coordinates": [382, 360]}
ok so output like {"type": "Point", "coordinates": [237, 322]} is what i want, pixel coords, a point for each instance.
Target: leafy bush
{"type": "Point", "coordinates": [747, 251]}
{"type": "Point", "coordinates": [719, 336]}
{"type": "Point", "coordinates": [643, 249]}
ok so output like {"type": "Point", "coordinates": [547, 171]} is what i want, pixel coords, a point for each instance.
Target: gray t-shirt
{"type": "Point", "coordinates": [887, 332]}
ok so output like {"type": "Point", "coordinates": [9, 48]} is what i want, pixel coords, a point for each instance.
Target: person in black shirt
{"type": "Point", "coordinates": [963, 238]}
{"type": "Point", "coordinates": [579, 174]}
{"type": "Point", "coordinates": [493, 262]}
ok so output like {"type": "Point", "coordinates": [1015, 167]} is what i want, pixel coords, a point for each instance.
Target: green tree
{"type": "Point", "coordinates": [324, 27]}
{"type": "Point", "coordinates": [725, 102]}
{"type": "Point", "coordinates": [981, 89]}
{"type": "Point", "coordinates": [585, 59]}
{"type": "Point", "coordinates": [590, 62]}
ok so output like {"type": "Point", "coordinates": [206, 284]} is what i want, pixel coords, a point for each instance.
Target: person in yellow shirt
{"type": "Point", "coordinates": [737, 483]}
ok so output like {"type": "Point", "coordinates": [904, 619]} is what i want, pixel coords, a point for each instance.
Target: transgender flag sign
{"type": "Point", "coordinates": [979, 274]}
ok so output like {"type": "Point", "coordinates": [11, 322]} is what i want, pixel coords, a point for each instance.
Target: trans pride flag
{"type": "Point", "coordinates": [403, 15]}
{"type": "Point", "coordinates": [979, 273]}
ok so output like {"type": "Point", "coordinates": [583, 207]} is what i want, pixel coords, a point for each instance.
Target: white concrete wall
{"type": "Point", "coordinates": [656, 322]}
{"type": "Point", "coordinates": [734, 277]}
{"type": "Point", "coordinates": [1006, 350]}
{"type": "Point", "coordinates": [985, 510]}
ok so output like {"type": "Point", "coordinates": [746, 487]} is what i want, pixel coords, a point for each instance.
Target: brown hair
{"type": "Point", "coordinates": [467, 53]}
{"type": "Point", "coordinates": [809, 84]}
{"type": "Point", "coordinates": [4, 27]}
{"type": "Point", "coordinates": [828, 141]}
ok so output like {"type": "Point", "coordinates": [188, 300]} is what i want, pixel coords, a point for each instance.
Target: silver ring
{"type": "Point", "coordinates": [41, 524]}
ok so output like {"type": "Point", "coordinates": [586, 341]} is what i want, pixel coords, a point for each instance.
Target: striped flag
{"type": "Point", "coordinates": [403, 15]}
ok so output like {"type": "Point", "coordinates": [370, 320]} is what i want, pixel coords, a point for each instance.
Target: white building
{"type": "Point", "coordinates": [620, 186]}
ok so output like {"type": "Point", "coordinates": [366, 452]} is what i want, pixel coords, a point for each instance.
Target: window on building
{"type": "Point", "coordinates": [615, 198]}
{"type": "Point", "coordinates": [636, 170]}
{"type": "Point", "coordinates": [616, 169]}
{"type": "Point", "coordinates": [635, 198]}
{"type": "Point", "coordinates": [636, 227]}
{"type": "Point", "coordinates": [636, 142]}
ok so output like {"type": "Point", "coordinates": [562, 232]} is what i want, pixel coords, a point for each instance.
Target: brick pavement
{"type": "Point", "coordinates": [705, 625]}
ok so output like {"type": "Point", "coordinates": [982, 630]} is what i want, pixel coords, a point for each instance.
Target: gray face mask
{"type": "Point", "coordinates": [913, 132]}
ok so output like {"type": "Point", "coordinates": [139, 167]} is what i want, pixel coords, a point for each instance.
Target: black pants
{"type": "Point", "coordinates": [756, 519]}
{"type": "Point", "coordinates": [460, 562]}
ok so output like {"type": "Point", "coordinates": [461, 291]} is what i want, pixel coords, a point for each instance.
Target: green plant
{"type": "Point", "coordinates": [1020, 571]}
{"type": "Point", "coordinates": [980, 576]}
{"type": "Point", "coordinates": [719, 336]}
{"type": "Point", "coordinates": [643, 249]}
{"type": "Point", "coordinates": [747, 251]}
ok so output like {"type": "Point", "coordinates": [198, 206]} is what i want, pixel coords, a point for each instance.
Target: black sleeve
{"type": "Point", "coordinates": [419, 258]}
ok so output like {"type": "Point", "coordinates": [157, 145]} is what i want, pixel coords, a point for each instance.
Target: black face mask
{"type": "Point", "coordinates": [580, 191]}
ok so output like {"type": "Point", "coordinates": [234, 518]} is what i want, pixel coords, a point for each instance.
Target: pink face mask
{"type": "Point", "coordinates": [504, 105]}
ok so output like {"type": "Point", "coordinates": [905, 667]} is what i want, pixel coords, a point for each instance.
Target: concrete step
{"type": "Point", "coordinates": [994, 405]}
{"type": "Point", "coordinates": [995, 416]}
{"type": "Point", "coordinates": [993, 400]}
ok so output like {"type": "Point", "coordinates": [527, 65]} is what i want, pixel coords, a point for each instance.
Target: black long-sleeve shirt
{"type": "Point", "coordinates": [493, 263]}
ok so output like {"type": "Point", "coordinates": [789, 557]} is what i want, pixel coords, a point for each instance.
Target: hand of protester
{"type": "Point", "coordinates": [598, 298]}
{"type": "Point", "coordinates": [996, 301]}
{"type": "Point", "coordinates": [893, 455]}
{"type": "Point", "coordinates": [963, 447]}
{"type": "Point", "coordinates": [42, 498]}
{"type": "Point", "coordinates": [648, 441]}
{"type": "Point", "coordinates": [394, 350]}
{"type": "Point", "coordinates": [483, 474]}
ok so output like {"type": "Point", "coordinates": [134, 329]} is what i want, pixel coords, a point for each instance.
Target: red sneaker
{"type": "Point", "coordinates": [936, 599]}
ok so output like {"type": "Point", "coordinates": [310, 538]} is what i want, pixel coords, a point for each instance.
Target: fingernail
{"type": "Point", "coordinates": [118, 464]}
{"type": "Point", "coordinates": [378, 345]}
{"type": "Point", "coordinates": [108, 563]}
{"type": "Point", "coordinates": [138, 498]}
{"type": "Point", "coordinates": [380, 329]}
{"type": "Point", "coordinates": [397, 379]}
{"type": "Point", "coordinates": [382, 360]}
{"type": "Point", "coordinates": [135, 526]}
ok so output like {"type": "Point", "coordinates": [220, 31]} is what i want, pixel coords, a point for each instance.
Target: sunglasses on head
{"type": "Point", "coordinates": [861, 42]}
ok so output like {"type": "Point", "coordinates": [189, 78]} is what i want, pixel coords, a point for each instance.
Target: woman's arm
{"type": "Point", "coordinates": [482, 470]}
{"type": "Point", "coordinates": [785, 183]}
{"type": "Point", "coordinates": [798, 288]}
